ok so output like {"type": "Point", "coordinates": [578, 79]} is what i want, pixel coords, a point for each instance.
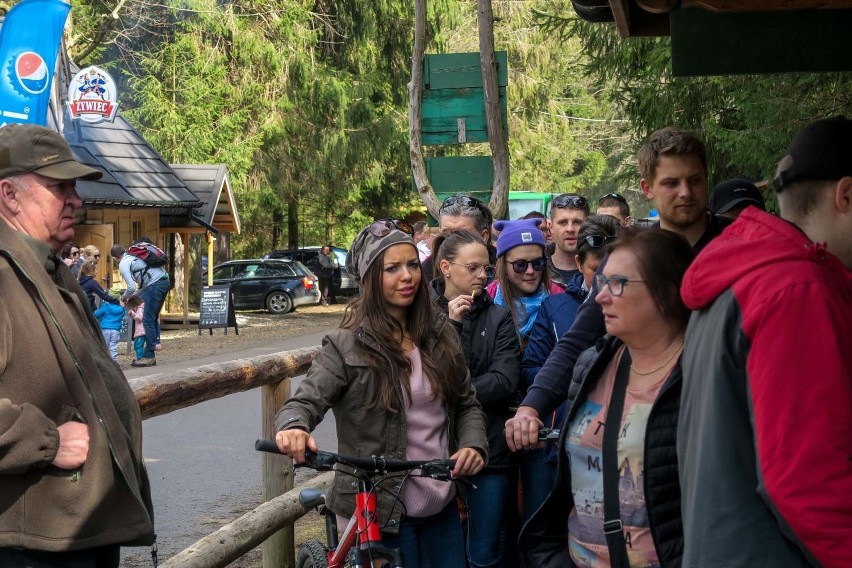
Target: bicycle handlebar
{"type": "Point", "coordinates": [548, 435]}
{"type": "Point", "coordinates": [324, 461]}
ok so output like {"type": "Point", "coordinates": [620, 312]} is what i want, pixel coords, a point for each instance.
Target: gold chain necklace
{"type": "Point", "coordinates": [663, 366]}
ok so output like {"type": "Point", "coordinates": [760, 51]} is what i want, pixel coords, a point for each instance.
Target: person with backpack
{"type": "Point", "coordinates": [143, 268]}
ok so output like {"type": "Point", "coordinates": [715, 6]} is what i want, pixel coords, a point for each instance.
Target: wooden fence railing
{"type": "Point", "coordinates": [271, 522]}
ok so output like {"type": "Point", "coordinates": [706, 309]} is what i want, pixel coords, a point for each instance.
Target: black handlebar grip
{"type": "Point", "coordinates": [267, 446]}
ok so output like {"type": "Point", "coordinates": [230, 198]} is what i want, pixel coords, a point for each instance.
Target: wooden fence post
{"type": "Point", "coordinates": [278, 549]}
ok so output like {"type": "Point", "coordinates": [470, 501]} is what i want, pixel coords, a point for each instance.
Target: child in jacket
{"type": "Point", "coordinates": [109, 317]}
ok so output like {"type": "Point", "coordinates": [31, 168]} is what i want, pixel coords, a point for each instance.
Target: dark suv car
{"type": "Point", "coordinates": [309, 256]}
{"type": "Point", "coordinates": [277, 285]}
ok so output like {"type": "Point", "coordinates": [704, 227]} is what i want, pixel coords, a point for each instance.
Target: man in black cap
{"type": "Point", "coordinates": [732, 196]}
{"type": "Point", "coordinates": [765, 430]}
{"type": "Point", "coordinates": [72, 480]}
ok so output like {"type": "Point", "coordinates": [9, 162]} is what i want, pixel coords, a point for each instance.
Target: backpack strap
{"type": "Point", "coordinates": [613, 528]}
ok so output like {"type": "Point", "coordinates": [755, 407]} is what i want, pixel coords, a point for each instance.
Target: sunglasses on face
{"type": "Point", "coordinates": [97, 255]}
{"type": "Point", "coordinates": [617, 196]}
{"type": "Point", "coordinates": [570, 200]}
{"type": "Point", "coordinates": [383, 227]}
{"type": "Point", "coordinates": [75, 253]}
{"type": "Point", "coordinates": [596, 241]}
{"type": "Point", "coordinates": [520, 266]}
{"type": "Point", "coordinates": [467, 201]}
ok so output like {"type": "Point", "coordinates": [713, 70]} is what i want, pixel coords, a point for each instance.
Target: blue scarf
{"type": "Point", "coordinates": [526, 306]}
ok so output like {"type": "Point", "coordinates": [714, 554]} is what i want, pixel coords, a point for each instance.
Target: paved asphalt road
{"type": "Point", "coordinates": [201, 460]}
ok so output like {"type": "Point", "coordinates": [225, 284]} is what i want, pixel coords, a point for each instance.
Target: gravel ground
{"type": "Point", "coordinates": [254, 327]}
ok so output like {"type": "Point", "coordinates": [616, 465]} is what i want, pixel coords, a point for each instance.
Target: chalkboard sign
{"type": "Point", "coordinates": [217, 309]}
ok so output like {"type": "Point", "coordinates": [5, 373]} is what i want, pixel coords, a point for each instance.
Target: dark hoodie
{"type": "Point", "coordinates": [765, 429]}
{"type": "Point", "coordinates": [490, 346]}
{"type": "Point", "coordinates": [555, 317]}
{"type": "Point", "coordinates": [91, 287]}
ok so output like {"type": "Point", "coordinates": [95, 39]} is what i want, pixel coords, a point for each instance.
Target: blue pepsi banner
{"type": "Point", "coordinates": [29, 45]}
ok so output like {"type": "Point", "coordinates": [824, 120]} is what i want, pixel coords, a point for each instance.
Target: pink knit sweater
{"type": "Point", "coordinates": [426, 428]}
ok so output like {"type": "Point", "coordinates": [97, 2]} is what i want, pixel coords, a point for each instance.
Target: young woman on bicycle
{"type": "Point", "coordinates": [490, 346]}
{"type": "Point", "coordinates": [399, 387]}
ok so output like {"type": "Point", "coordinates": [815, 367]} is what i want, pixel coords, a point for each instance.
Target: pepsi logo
{"type": "Point", "coordinates": [31, 72]}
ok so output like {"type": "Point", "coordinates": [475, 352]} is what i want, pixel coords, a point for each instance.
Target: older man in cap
{"type": "Point", "coordinates": [73, 486]}
{"type": "Point", "coordinates": [764, 436]}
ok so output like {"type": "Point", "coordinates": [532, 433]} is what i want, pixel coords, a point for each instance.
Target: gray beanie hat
{"type": "Point", "coordinates": [366, 248]}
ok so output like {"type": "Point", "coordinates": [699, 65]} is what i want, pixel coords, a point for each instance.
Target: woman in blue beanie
{"type": "Point", "coordinates": [523, 282]}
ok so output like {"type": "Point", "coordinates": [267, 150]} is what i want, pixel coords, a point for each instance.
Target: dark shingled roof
{"type": "Point", "coordinates": [134, 174]}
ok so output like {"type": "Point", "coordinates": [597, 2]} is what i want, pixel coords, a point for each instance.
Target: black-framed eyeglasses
{"type": "Point", "coordinates": [475, 269]}
{"type": "Point", "coordinates": [613, 195]}
{"type": "Point", "coordinates": [468, 201]}
{"type": "Point", "coordinates": [615, 283]}
{"type": "Point", "coordinates": [520, 266]}
{"type": "Point", "coordinates": [596, 241]}
{"type": "Point", "coordinates": [571, 200]}
{"type": "Point", "coordinates": [382, 227]}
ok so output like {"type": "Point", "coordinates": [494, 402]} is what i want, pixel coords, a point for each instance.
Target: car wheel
{"type": "Point", "coordinates": [279, 302]}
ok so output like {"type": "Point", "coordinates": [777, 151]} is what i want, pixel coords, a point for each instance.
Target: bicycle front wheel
{"type": "Point", "coordinates": [312, 554]}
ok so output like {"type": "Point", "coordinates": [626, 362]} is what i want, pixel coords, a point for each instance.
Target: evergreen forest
{"type": "Point", "coordinates": [306, 102]}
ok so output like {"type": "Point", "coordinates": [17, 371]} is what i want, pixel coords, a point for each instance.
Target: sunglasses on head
{"type": "Point", "coordinates": [570, 200]}
{"type": "Point", "coordinates": [596, 241]}
{"type": "Point", "coordinates": [520, 266]}
{"type": "Point", "coordinates": [616, 196]}
{"type": "Point", "coordinates": [383, 227]}
{"type": "Point", "coordinates": [467, 201]}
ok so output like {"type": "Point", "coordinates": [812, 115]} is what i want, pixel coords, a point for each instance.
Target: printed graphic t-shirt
{"type": "Point", "coordinates": [587, 542]}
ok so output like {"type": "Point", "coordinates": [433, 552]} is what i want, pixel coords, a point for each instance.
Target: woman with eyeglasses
{"type": "Point", "coordinates": [617, 483]}
{"type": "Point", "coordinates": [398, 383]}
{"type": "Point", "coordinates": [522, 282]}
{"type": "Point", "coordinates": [557, 313]}
{"type": "Point", "coordinates": [91, 287]}
{"type": "Point", "coordinates": [490, 346]}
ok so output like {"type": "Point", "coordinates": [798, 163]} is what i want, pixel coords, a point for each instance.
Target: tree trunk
{"type": "Point", "coordinates": [494, 121]}
{"type": "Point", "coordinates": [292, 221]}
{"type": "Point", "coordinates": [415, 135]}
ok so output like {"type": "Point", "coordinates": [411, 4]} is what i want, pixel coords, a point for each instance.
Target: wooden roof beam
{"type": "Point", "coordinates": [666, 6]}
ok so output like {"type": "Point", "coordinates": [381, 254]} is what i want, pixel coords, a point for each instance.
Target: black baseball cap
{"type": "Point", "coordinates": [820, 151]}
{"type": "Point", "coordinates": [26, 148]}
{"type": "Point", "coordinates": [733, 192]}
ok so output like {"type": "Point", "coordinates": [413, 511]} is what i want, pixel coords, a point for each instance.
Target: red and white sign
{"type": "Point", "coordinates": [92, 96]}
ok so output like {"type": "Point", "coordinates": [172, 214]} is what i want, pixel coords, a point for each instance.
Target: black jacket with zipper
{"type": "Point", "coordinates": [489, 341]}
{"type": "Point", "coordinates": [544, 539]}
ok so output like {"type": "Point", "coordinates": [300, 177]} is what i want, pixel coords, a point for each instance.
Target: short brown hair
{"type": "Point", "coordinates": [663, 259]}
{"type": "Point", "coordinates": [669, 141]}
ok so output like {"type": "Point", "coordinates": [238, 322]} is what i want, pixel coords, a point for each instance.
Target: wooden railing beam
{"type": "Point", "coordinates": [235, 539]}
{"type": "Point", "coordinates": [163, 393]}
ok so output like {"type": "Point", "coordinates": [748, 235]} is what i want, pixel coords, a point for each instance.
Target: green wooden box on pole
{"type": "Point", "coordinates": [453, 104]}
{"type": "Point", "coordinates": [456, 175]}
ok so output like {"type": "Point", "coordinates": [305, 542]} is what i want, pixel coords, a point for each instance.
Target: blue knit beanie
{"type": "Point", "coordinates": [518, 233]}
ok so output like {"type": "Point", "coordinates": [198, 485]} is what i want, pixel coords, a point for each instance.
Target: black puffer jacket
{"type": "Point", "coordinates": [544, 539]}
{"type": "Point", "coordinates": [490, 346]}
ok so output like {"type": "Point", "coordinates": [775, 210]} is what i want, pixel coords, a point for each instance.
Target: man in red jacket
{"type": "Point", "coordinates": [765, 430]}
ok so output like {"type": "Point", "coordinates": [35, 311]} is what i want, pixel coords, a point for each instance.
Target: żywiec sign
{"type": "Point", "coordinates": [92, 96]}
